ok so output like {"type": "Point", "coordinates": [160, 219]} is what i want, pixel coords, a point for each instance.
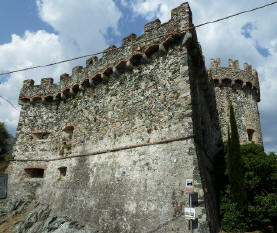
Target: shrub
{"type": "Point", "coordinates": [260, 177]}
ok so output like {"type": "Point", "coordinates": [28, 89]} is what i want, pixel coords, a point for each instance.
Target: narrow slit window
{"type": "Point", "coordinates": [250, 133]}
{"type": "Point", "coordinates": [44, 135]}
{"type": "Point", "coordinates": [34, 172]}
{"type": "Point", "coordinates": [41, 135]}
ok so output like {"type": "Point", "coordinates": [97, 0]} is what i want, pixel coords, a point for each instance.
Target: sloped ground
{"type": "Point", "coordinates": [20, 216]}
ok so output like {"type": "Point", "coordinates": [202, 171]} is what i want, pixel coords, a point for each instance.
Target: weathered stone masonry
{"type": "Point", "coordinates": [112, 144]}
{"type": "Point", "coordinates": [241, 87]}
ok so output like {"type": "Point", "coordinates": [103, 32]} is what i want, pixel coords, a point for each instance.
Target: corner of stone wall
{"type": "Point", "coordinates": [206, 130]}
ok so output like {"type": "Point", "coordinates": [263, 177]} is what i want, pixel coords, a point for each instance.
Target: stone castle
{"type": "Point", "coordinates": [123, 142]}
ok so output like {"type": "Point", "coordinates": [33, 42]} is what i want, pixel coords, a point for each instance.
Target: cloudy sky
{"type": "Point", "coordinates": [44, 31]}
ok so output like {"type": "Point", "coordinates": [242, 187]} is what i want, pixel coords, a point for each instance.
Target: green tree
{"type": "Point", "coordinates": [234, 169]}
{"type": "Point", "coordinates": [260, 177]}
{"type": "Point", "coordinates": [3, 138]}
{"type": "Point", "coordinates": [4, 158]}
{"type": "Point", "coordinates": [260, 172]}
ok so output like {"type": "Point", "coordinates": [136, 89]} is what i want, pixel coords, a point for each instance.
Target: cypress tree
{"type": "Point", "coordinates": [234, 164]}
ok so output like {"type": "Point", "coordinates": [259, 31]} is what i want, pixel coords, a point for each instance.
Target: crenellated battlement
{"type": "Point", "coordinates": [135, 50]}
{"type": "Point", "coordinates": [247, 77]}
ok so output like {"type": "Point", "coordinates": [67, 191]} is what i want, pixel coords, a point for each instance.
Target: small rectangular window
{"type": "Point", "coordinates": [41, 135]}
{"type": "Point", "coordinates": [34, 172]}
{"type": "Point", "coordinates": [62, 171]}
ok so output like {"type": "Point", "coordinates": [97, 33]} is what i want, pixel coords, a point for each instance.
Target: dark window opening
{"type": "Point", "coordinates": [35, 172]}
{"type": "Point", "coordinates": [250, 133]}
{"type": "Point", "coordinates": [41, 136]}
{"type": "Point", "coordinates": [44, 136]}
{"type": "Point", "coordinates": [62, 171]}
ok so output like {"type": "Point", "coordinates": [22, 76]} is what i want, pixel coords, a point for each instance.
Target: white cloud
{"type": "Point", "coordinates": [82, 22]}
{"type": "Point", "coordinates": [124, 3]}
{"type": "Point", "coordinates": [155, 8]}
{"type": "Point", "coordinates": [33, 48]}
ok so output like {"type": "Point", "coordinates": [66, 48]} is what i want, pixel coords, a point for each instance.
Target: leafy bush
{"type": "Point", "coordinates": [260, 181]}
{"type": "Point", "coordinates": [4, 158]}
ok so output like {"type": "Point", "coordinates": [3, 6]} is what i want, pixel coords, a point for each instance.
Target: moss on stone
{"type": "Point", "coordinates": [170, 51]}
{"type": "Point", "coordinates": [105, 78]}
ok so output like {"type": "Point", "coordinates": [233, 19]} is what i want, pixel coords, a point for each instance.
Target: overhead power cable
{"type": "Point", "coordinates": [9, 102]}
{"type": "Point", "coordinates": [104, 51]}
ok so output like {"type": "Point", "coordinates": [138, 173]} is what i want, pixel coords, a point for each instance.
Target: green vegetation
{"type": "Point", "coordinates": [234, 164]}
{"type": "Point", "coordinates": [4, 158]}
{"type": "Point", "coordinates": [141, 47]}
{"type": "Point", "coordinates": [75, 105]}
{"type": "Point", "coordinates": [170, 51]}
{"type": "Point", "coordinates": [121, 79]}
{"type": "Point", "coordinates": [3, 138]}
{"type": "Point", "coordinates": [4, 162]}
{"type": "Point", "coordinates": [105, 78]}
{"type": "Point", "coordinates": [248, 186]}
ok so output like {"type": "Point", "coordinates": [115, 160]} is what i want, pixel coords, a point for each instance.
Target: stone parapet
{"type": "Point", "coordinates": [247, 77]}
{"type": "Point", "coordinates": [134, 50]}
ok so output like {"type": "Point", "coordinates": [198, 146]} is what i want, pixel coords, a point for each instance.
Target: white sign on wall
{"type": "Point", "coordinates": [189, 183]}
{"type": "Point", "coordinates": [189, 186]}
{"type": "Point", "coordinates": [190, 213]}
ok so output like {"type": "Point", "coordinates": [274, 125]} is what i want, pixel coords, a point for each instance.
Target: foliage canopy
{"type": "Point", "coordinates": [248, 188]}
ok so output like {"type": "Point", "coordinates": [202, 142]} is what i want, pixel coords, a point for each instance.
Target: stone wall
{"type": "Point", "coordinates": [131, 190]}
{"type": "Point", "coordinates": [241, 88]}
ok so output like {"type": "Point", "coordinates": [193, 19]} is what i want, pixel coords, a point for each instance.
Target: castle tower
{"type": "Point", "coordinates": [241, 88]}
{"type": "Point", "coordinates": [128, 141]}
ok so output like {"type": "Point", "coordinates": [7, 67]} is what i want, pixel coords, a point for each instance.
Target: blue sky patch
{"type": "Point", "coordinates": [128, 23]}
{"type": "Point", "coordinates": [263, 51]}
{"type": "Point", "coordinates": [18, 16]}
{"type": "Point", "coordinates": [246, 29]}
